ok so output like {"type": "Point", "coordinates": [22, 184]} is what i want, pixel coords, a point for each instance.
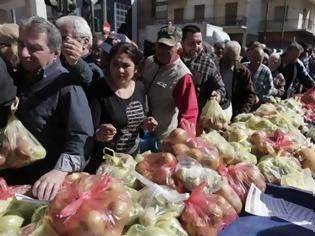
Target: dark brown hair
{"type": "Point", "coordinates": [128, 48]}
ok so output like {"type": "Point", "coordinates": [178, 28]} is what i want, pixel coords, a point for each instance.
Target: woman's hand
{"type": "Point", "coordinates": [105, 133]}
{"type": "Point", "coordinates": [150, 123]}
{"type": "Point", "coordinates": [47, 187]}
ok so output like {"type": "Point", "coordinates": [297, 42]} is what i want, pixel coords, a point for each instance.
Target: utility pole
{"type": "Point", "coordinates": [104, 8]}
{"type": "Point", "coordinates": [283, 22]}
{"type": "Point", "coordinates": [92, 3]}
{"type": "Point", "coordinates": [266, 21]}
{"type": "Point", "coordinates": [65, 7]}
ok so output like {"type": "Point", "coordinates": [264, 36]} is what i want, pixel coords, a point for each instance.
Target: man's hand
{"type": "Point", "coordinates": [150, 123]}
{"type": "Point", "coordinates": [72, 50]}
{"type": "Point", "coordinates": [216, 96]}
{"type": "Point", "coordinates": [47, 187]}
{"type": "Point", "coordinates": [105, 133]}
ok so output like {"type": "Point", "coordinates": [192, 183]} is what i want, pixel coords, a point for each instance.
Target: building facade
{"type": "Point", "coordinates": [286, 21]}
{"type": "Point", "coordinates": [275, 22]}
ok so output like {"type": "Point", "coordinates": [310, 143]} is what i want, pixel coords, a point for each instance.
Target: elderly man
{"type": "Point", "coordinates": [261, 75]}
{"type": "Point", "coordinates": [77, 41]}
{"type": "Point", "coordinates": [168, 84]}
{"type": "Point", "coordinates": [207, 80]}
{"type": "Point", "coordinates": [51, 108]}
{"type": "Point", "coordinates": [296, 76]}
{"type": "Point", "coordinates": [237, 79]}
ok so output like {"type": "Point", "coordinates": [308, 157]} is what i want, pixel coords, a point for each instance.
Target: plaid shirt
{"type": "Point", "coordinates": [263, 81]}
{"type": "Point", "coordinates": [206, 78]}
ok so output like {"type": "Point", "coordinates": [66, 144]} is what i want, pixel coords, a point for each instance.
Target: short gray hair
{"type": "Point", "coordinates": [233, 46]}
{"type": "Point", "coordinates": [275, 55]}
{"type": "Point", "coordinates": [41, 25]}
{"type": "Point", "coordinates": [80, 25]}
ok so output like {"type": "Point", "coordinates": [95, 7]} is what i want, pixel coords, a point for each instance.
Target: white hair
{"type": "Point", "coordinates": [80, 25]}
{"type": "Point", "coordinates": [275, 55]}
{"type": "Point", "coordinates": [233, 46]}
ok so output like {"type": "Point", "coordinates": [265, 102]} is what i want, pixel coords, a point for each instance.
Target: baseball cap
{"type": "Point", "coordinates": [169, 35]}
{"type": "Point", "coordinates": [113, 39]}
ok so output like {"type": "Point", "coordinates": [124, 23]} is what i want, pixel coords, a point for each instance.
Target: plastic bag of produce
{"type": "Point", "coordinates": [241, 176]}
{"type": "Point", "coordinates": [273, 167]}
{"type": "Point", "coordinates": [206, 214]}
{"type": "Point", "coordinates": [157, 167]}
{"type": "Point", "coordinates": [18, 147]}
{"type": "Point", "coordinates": [309, 96]}
{"type": "Point", "coordinates": [227, 192]}
{"type": "Point", "coordinates": [10, 224]}
{"type": "Point", "coordinates": [299, 179]}
{"type": "Point", "coordinates": [185, 142]}
{"type": "Point", "coordinates": [191, 174]}
{"type": "Point", "coordinates": [242, 154]}
{"type": "Point", "coordinates": [212, 116]}
{"type": "Point", "coordinates": [307, 156]}
{"type": "Point", "coordinates": [277, 142]}
{"type": "Point", "coordinates": [161, 220]}
{"type": "Point", "coordinates": [158, 195]}
{"type": "Point", "coordinates": [90, 205]}
{"type": "Point", "coordinates": [118, 166]}
{"type": "Point", "coordinates": [39, 229]}
{"type": "Point", "coordinates": [226, 150]}
{"type": "Point", "coordinates": [136, 208]}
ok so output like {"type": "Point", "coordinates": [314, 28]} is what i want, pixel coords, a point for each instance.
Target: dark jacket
{"type": "Point", "coordinates": [56, 112]}
{"type": "Point", "coordinates": [243, 91]}
{"type": "Point", "coordinates": [296, 77]}
{"type": "Point", "coordinates": [7, 93]}
{"type": "Point", "coordinates": [84, 71]}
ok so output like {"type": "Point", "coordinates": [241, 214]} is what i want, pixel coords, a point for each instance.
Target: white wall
{"type": "Point", "coordinates": [254, 14]}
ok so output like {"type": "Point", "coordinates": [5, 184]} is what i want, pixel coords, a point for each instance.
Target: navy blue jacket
{"type": "Point", "coordinates": [56, 112]}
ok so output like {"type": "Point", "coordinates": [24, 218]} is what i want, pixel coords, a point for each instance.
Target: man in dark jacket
{"type": "Point", "coordinates": [296, 76]}
{"type": "Point", "coordinates": [51, 107]}
{"type": "Point", "coordinates": [7, 93]}
{"type": "Point", "coordinates": [237, 79]}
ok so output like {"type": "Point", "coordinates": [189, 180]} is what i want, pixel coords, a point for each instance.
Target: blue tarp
{"type": "Point", "coordinates": [249, 225]}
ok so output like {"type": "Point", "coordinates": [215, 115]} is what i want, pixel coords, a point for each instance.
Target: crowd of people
{"type": "Point", "coordinates": [79, 92]}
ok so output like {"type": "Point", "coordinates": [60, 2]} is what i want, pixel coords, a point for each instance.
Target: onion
{"type": "Point", "coordinates": [178, 135]}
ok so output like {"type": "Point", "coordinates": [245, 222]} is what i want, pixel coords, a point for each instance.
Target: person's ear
{"type": "Point", "coordinates": [57, 54]}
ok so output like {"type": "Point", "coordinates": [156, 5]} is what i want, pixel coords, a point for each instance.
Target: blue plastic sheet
{"type": "Point", "coordinates": [249, 225]}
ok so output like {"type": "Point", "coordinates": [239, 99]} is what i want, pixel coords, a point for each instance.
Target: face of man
{"type": "Point", "coordinates": [164, 53]}
{"type": "Point", "coordinates": [219, 49]}
{"type": "Point", "coordinates": [68, 31]}
{"type": "Point", "coordinates": [292, 55]}
{"type": "Point", "coordinates": [34, 52]}
{"type": "Point", "coordinates": [192, 44]}
{"type": "Point", "coordinates": [256, 56]}
{"type": "Point", "coordinates": [230, 57]}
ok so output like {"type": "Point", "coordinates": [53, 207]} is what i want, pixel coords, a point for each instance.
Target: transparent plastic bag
{"type": "Point", "coordinates": [273, 167]}
{"type": "Point", "coordinates": [213, 112]}
{"type": "Point", "coordinates": [206, 214]}
{"type": "Point", "coordinates": [118, 166]}
{"type": "Point", "coordinates": [241, 176]}
{"type": "Point", "coordinates": [90, 205]}
{"type": "Point", "coordinates": [157, 167]}
{"type": "Point", "coordinates": [18, 147]}
{"type": "Point", "coordinates": [185, 142]}
{"type": "Point", "coordinates": [191, 174]}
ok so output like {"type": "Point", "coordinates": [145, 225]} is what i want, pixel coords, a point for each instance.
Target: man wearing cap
{"type": "Point", "coordinates": [76, 43]}
{"type": "Point", "coordinates": [207, 79]}
{"type": "Point", "coordinates": [168, 84]}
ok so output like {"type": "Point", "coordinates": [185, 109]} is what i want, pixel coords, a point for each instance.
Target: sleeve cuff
{"type": "Point", "coordinates": [69, 163]}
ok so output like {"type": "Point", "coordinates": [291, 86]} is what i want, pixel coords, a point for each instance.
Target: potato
{"type": "Point", "coordinates": [308, 159]}
{"type": "Point", "coordinates": [178, 135]}
{"type": "Point", "coordinates": [230, 195]}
